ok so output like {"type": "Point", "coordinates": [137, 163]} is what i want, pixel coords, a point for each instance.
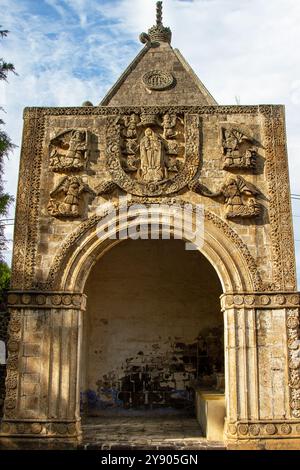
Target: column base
{"type": "Point", "coordinates": [33, 434]}
{"type": "Point", "coordinates": [37, 443]}
{"type": "Point", "coordinates": [264, 444]}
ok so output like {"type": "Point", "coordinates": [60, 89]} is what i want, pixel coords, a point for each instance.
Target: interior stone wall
{"type": "Point", "coordinates": [153, 327]}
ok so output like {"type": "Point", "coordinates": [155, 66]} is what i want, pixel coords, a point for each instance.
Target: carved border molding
{"type": "Point", "coordinates": [110, 110]}
{"type": "Point", "coordinates": [27, 210]}
{"type": "Point", "coordinates": [265, 300]}
{"type": "Point", "coordinates": [263, 429]}
{"type": "Point", "coordinates": [40, 428]}
{"type": "Point", "coordinates": [12, 366]}
{"type": "Point", "coordinates": [46, 300]}
{"type": "Point", "coordinates": [279, 201]}
{"type": "Point", "coordinates": [73, 239]}
{"type": "Point", "coordinates": [293, 344]}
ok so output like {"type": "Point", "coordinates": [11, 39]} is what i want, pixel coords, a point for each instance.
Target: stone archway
{"type": "Point", "coordinates": [220, 245]}
{"type": "Point", "coordinates": [153, 329]}
{"type": "Point", "coordinates": [55, 313]}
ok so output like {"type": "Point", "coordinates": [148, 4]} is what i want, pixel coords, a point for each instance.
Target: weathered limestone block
{"type": "Point", "coordinates": [259, 398]}
{"type": "Point", "coordinates": [42, 381]}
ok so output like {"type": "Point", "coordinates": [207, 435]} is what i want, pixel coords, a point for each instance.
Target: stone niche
{"type": "Point", "coordinates": [153, 330]}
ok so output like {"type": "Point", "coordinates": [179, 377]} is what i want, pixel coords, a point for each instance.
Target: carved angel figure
{"type": "Point", "coordinates": [70, 151]}
{"type": "Point", "coordinates": [238, 149]}
{"type": "Point", "coordinates": [239, 195]}
{"type": "Point", "coordinates": [169, 123]}
{"type": "Point", "coordinates": [65, 198]}
{"type": "Point", "coordinates": [130, 123]}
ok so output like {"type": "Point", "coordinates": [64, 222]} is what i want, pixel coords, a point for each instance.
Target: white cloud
{"type": "Point", "coordinates": [238, 48]}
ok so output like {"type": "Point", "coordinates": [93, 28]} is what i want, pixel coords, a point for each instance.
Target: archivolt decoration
{"type": "Point", "coordinates": [232, 237]}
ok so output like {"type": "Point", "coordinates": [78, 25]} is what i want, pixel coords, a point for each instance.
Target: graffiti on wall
{"type": "Point", "coordinates": [161, 377]}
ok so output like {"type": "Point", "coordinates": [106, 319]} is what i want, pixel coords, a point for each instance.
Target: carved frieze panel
{"type": "Point", "coordinates": [27, 428]}
{"type": "Point", "coordinates": [70, 151]}
{"type": "Point", "coordinates": [239, 150]}
{"type": "Point", "coordinates": [68, 197]}
{"type": "Point", "coordinates": [262, 429]}
{"type": "Point", "coordinates": [152, 154]}
{"type": "Point", "coordinates": [266, 300]}
{"type": "Point", "coordinates": [239, 196]}
{"type": "Point", "coordinates": [42, 300]}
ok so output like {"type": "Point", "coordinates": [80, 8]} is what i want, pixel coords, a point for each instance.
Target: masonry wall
{"type": "Point", "coordinates": [153, 327]}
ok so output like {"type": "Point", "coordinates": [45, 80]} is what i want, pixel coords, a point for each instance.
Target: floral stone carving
{"type": "Point", "coordinates": [238, 195]}
{"type": "Point", "coordinates": [67, 198]}
{"type": "Point", "coordinates": [70, 151]}
{"type": "Point", "coordinates": [152, 155]}
{"type": "Point", "coordinates": [238, 149]}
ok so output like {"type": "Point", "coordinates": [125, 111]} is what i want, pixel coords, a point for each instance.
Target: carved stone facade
{"type": "Point", "coordinates": [229, 160]}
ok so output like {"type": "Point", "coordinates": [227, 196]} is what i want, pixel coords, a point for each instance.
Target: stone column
{"type": "Point", "coordinates": [42, 384]}
{"type": "Point", "coordinates": [262, 369]}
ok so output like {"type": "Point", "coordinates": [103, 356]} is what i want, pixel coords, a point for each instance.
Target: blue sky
{"type": "Point", "coordinates": [69, 51]}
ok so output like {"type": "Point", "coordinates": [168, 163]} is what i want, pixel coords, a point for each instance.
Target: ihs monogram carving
{"type": "Point", "coordinates": [238, 149]}
{"type": "Point", "coordinates": [152, 155]}
{"type": "Point", "coordinates": [158, 80]}
{"type": "Point", "coordinates": [67, 199]}
{"type": "Point", "coordinates": [238, 195]}
{"type": "Point", "coordinates": [70, 151]}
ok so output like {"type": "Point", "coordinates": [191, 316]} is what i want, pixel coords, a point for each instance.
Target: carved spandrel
{"type": "Point", "coordinates": [68, 199]}
{"type": "Point", "coordinates": [239, 196]}
{"type": "Point", "coordinates": [70, 151]}
{"type": "Point", "coordinates": [239, 150]}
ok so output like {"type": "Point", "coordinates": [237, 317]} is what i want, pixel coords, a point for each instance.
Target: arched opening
{"type": "Point", "coordinates": [152, 332]}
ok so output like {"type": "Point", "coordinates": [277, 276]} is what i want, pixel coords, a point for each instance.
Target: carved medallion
{"type": "Point", "coordinates": [68, 197]}
{"type": "Point", "coordinates": [286, 428]}
{"type": "Point", "coordinates": [70, 151]}
{"type": "Point", "coordinates": [271, 429]}
{"type": "Point", "coordinates": [152, 155]}
{"type": "Point", "coordinates": [238, 149]}
{"type": "Point", "coordinates": [158, 80]}
{"type": "Point", "coordinates": [254, 429]}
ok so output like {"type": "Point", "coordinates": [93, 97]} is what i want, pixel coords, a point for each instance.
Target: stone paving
{"type": "Point", "coordinates": [153, 433]}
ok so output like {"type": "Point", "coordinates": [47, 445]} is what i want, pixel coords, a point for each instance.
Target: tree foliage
{"type": "Point", "coordinates": [6, 147]}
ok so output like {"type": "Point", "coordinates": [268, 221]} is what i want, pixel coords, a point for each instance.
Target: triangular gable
{"type": "Point", "coordinates": [186, 89]}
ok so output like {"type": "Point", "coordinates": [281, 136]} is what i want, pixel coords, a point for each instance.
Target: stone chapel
{"type": "Point", "coordinates": [115, 310]}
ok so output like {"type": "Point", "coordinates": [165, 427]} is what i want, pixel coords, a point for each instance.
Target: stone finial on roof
{"type": "Point", "coordinates": [158, 32]}
{"type": "Point", "coordinates": [159, 13]}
